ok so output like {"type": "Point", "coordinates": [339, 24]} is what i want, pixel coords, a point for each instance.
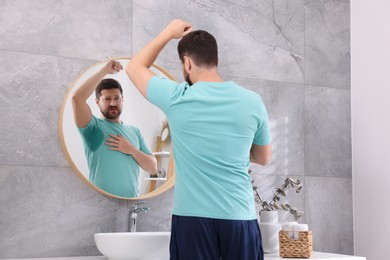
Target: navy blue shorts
{"type": "Point", "coordinates": [196, 238]}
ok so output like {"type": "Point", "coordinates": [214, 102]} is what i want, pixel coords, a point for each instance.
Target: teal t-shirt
{"type": "Point", "coordinates": [213, 126]}
{"type": "Point", "coordinates": [112, 171]}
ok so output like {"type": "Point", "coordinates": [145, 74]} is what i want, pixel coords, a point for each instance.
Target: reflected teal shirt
{"type": "Point", "coordinates": [112, 171]}
{"type": "Point", "coordinates": [213, 126]}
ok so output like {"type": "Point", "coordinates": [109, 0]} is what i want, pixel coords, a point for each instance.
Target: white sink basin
{"type": "Point", "coordinates": [134, 245]}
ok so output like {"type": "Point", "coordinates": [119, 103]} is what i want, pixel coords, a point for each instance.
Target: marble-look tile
{"type": "Point", "coordinates": [327, 132]}
{"type": "Point", "coordinates": [262, 39]}
{"type": "Point", "coordinates": [285, 107]}
{"type": "Point", "coordinates": [266, 185]}
{"type": "Point", "coordinates": [329, 213]}
{"type": "Point", "coordinates": [33, 88]}
{"type": "Point", "coordinates": [327, 43]}
{"type": "Point", "coordinates": [49, 211]}
{"type": "Point", "coordinates": [158, 218]}
{"type": "Point", "coordinates": [91, 29]}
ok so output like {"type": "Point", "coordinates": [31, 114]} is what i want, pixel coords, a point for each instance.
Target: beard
{"type": "Point", "coordinates": [112, 114]}
{"type": "Point", "coordinates": [187, 78]}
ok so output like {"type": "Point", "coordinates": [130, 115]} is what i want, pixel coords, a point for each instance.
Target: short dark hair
{"type": "Point", "coordinates": [201, 47]}
{"type": "Point", "coordinates": [107, 84]}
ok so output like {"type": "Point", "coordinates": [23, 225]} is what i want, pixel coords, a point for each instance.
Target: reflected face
{"type": "Point", "coordinates": [110, 103]}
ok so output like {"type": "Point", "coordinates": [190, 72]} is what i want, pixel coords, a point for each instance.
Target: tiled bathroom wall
{"type": "Point", "coordinates": [294, 53]}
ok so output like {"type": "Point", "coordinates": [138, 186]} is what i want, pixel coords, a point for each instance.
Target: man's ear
{"type": "Point", "coordinates": [187, 63]}
{"type": "Point", "coordinates": [97, 101]}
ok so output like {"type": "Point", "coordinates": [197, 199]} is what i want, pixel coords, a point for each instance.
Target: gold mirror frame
{"type": "Point", "coordinates": [169, 183]}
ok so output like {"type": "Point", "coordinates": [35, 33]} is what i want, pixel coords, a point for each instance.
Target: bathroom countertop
{"type": "Point", "coordinates": [316, 255]}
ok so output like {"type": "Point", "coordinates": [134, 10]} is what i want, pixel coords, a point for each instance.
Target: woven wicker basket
{"type": "Point", "coordinates": [296, 248]}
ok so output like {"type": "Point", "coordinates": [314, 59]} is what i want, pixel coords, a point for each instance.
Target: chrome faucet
{"type": "Point", "coordinates": [133, 214]}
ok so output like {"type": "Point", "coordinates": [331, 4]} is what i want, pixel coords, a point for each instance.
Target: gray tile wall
{"type": "Point", "coordinates": [295, 53]}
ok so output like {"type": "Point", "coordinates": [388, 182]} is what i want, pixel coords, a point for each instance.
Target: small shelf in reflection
{"type": "Point", "coordinates": [155, 179]}
{"type": "Point", "coordinates": [161, 153]}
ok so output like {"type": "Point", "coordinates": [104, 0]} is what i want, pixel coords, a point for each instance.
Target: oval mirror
{"type": "Point", "coordinates": [138, 112]}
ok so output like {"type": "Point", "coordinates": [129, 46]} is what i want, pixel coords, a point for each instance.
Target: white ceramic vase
{"type": "Point", "coordinates": [270, 227]}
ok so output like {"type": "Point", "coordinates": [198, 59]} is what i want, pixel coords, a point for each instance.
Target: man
{"type": "Point", "coordinates": [217, 128]}
{"type": "Point", "coordinates": [114, 150]}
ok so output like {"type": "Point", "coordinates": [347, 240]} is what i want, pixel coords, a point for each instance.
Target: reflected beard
{"type": "Point", "coordinates": [108, 115]}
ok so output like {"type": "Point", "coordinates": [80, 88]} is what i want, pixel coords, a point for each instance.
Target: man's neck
{"type": "Point", "coordinates": [113, 120]}
{"type": "Point", "coordinates": [207, 75]}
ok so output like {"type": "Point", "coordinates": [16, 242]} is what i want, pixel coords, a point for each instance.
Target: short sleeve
{"type": "Point", "coordinates": [88, 131]}
{"type": "Point", "coordinates": [263, 133]}
{"type": "Point", "coordinates": [142, 145]}
{"type": "Point", "coordinates": [161, 91]}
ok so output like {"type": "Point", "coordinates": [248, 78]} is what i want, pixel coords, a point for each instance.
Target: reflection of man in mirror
{"type": "Point", "coordinates": [114, 150]}
{"type": "Point", "coordinates": [217, 128]}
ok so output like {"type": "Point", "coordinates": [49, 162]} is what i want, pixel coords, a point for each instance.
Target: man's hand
{"type": "Point", "coordinates": [178, 28]}
{"type": "Point", "coordinates": [146, 161]}
{"type": "Point", "coordinates": [112, 67]}
{"type": "Point", "coordinates": [121, 144]}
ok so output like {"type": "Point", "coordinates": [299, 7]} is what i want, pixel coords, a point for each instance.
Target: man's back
{"type": "Point", "coordinates": [213, 126]}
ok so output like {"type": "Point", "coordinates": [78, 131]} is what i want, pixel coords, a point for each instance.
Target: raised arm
{"type": "Point", "coordinates": [261, 154]}
{"type": "Point", "coordinates": [81, 110]}
{"type": "Point", "coordinates": [138, 68]}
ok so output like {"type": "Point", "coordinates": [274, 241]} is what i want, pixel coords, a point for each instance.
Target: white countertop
{"type": "Point", "coordinates": [316, 255]}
